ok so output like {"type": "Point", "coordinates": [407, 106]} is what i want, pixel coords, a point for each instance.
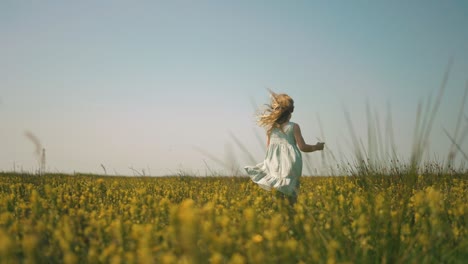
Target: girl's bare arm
{"type": "Point", "coordinates": [301, 143]}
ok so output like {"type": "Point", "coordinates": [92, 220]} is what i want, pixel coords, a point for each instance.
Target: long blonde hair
{"type": "Point", "coordinates": [277, 112]}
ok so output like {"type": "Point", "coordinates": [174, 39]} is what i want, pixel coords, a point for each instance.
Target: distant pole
{"type": "Point", "coordinates": [43, 162]}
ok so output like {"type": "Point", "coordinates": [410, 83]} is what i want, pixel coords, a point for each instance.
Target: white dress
{"type": "Point", "coordinates": [282, 166]}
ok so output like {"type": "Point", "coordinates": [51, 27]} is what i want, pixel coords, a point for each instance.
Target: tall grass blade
{"type": "Point", "coordinates": [390, 133]}
{"type": "Point", "coordinates": [371, 152]}
{"type": "Point", "coordinates": [212, 157]}
{"type": "Point", "coordinates": [328, 153]}
{"type": "Point", "coordinates": [231, 160]}
{"type": "Point", "coordinates": [208, 168]}
{"type": "Point", "coordinates": [322, 135]}
{"type": "Point", "coordinates": [417, 128]}
{"type": "Point", "coordinates": [243, 148]}
{"type": "Point", "coordinates": [257, 136]}
{"type": "Point", "coordinates": [452, 152]}
{"type": "Point", "coordinates": [354, 138]}
{"type": "Point", "coordinates": [428, 121]}
{"type": "Point", "coordinates": [455, 144]}
{"type": "Point", "coordinates": [308, 164]}
{"type": "Point", "coordinates": [261, 143]}
{"type": "Point", "coordinates": [462, 138]}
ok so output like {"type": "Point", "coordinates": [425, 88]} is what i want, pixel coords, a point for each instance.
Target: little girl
{"type": "Point", "coordinates": [282, 166]}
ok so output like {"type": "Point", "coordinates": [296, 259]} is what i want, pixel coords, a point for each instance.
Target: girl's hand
{"type": "Point", "coordinates": [319, 145]}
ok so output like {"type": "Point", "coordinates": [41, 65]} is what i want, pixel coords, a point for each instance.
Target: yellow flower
{"type": "Point", "coordinates": [237, 259]}
{"type": "Point", "coordinates": [30, 243]}
{"type": "Point", "coordinates": [341, 199]}
{"type": "Point", "coordinates": [257, 238]}
{"type": "Point", "coordinates": [216, 258]}
{"type": "Point", "coordinates": [357, 201]}
{"type": "Point", "coordinates": [169, 258]}
{"type": "Point", "coordinates": [423, 240]}
{"type": "Point", "coordinates": [249, 214]}
{"type": "Point", "coordinates": [291, 244]}
{"type": "Point", "coordinates": [417, 217]}
{"type": "Point", "coordinates": [6, 244]}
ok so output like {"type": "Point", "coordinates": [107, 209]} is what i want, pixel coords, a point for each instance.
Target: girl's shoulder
{"type": "Point", "coordinates": [290, 126]}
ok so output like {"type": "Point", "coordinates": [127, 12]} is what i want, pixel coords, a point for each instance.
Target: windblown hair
{"type": "Point", "coordinates": [277, 112]}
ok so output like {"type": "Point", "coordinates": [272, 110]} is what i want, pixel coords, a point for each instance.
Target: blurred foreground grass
{"type": "Point", "coordinates": [92, 219]}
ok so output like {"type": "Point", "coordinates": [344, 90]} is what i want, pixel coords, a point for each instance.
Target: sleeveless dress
{"type": "Point", "coordinates": [282, 166]}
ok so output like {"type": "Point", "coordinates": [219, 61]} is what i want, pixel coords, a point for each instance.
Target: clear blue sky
{"type": "Point", "coordinates": [144, 83]}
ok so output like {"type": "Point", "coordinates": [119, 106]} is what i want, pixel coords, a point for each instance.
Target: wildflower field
{"type": "Point", "coordinates": [102, 219]}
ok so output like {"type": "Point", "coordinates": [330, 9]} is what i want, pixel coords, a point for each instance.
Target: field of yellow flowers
{"type": "Point", "coordinates": [94, 219]}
